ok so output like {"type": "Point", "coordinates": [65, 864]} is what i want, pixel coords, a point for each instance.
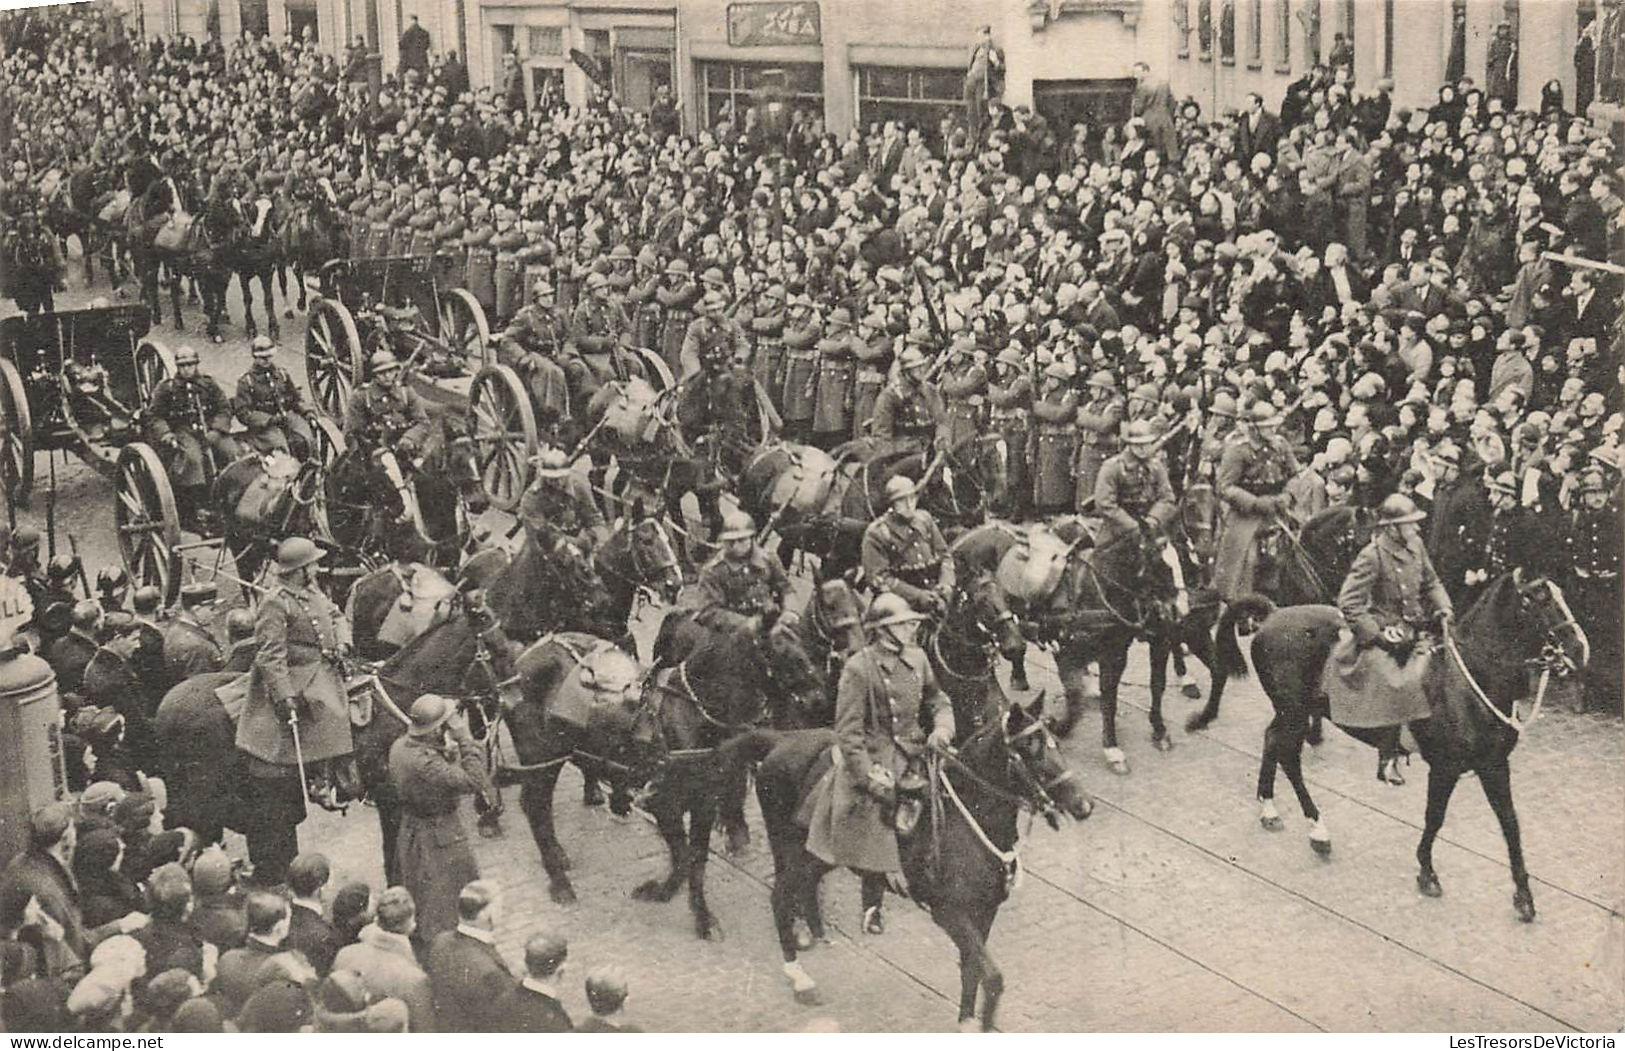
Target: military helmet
{"type": "Point", "coordinates": [1399, 509]}
{"type": "Point", "coordinates": [297, 552]}
{"type": "Point", "coordinates": [1011, 355]}
{"type": "Point", "coordinates": [595, 281]}
{"type": "Point", "coordinates": [185, 355]}
{"type": "Point", "coordinates": [889, 608]}
{"type": "Point", "coordinates": [239, 625]}
{"type": "Point", "coordinates": [263, 347]}
{"type": "Point", "coordinates": [737, 525]}
{"type": "Point", "coordinates": [62, 568]}
{"type": "Point", "coordinates": [383, 361]}
{"type": "Point", "coordinates": [146, 599]}
{"type": "Point", "coordinates": [1224, 404]}
{"type": "Point", "coordinates": [1139, 432]}
{"type": "Point", "coordinates": [552, 463]}
{"type": "Point", "coordinates": [898, 486]}
{"type": "Point", "coordinates": [1103, 379]}
{"type": "Point", "coordinates": [1263, 414]}
{"type": "Point", "coordinates": [430, 712]}
{"type": "Point", "coordinates": [912, 358]}
{"type": "Point", "coordinates": [713, 301]}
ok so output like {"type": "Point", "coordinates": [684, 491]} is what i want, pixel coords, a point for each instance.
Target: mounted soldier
{"type": "Point", "coordinates": [190, 414]}
{"type": "Point", "coordinates": [742, 585]}
{"type": "Point", "coordinates": [598, 325]}
{"type": "Point", "coordinates": [386, 414]}
{"type": "Point", "coordinates": [721, 406]}
{"type": "Point", "coordinates": [1252, 477]}
{"type": "Point", "coordinates": [559, 506]}
{"type": "Point", "coordinates": [1390, 601]}
{"type": "Point", "coordinates": [872, 793]}
{"type": "Point", "coordinates": [1133, 493]}
{"type": "Point", "coordinates": [910, 415]}
{"type": "Point", "coordinates": [903, 551]}
{"type": "Point", "coordinates": [533, 346]}
{"type": "Point", "coordinates": [270, 404]}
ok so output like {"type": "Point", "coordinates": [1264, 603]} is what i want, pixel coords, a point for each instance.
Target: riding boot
{"type": "Point", "coordinates": [873, 894]}
{"type": "Point", "coordinates": [1018, 674]}
{"type": "Point", "coordinates": [1389, 753]}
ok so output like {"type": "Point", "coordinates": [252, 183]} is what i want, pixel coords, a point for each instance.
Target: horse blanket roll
{"type": "Point", "coordinates": [421, 606]}
{"type": "Point", "coordinates": [1369, 688]}
{"type": "Point", "coordinates": [172, 235]}
{"type": "Point", "coordinates": [603, 695]}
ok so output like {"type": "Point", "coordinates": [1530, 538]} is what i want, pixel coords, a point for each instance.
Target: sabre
{"type": "Point", "coordinates": [299, 755]}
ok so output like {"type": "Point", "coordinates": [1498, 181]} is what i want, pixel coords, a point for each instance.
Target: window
{"type": "Point", "coordinates": [501, 41]}
{"type": "Point", "coordinates": [1227, 32]}
{"type": "Point", "coordinates": [922, 97]}
{"type": "Point", "coordinates": [545, 40]}
{"type": "Point", "coordinates": [1255, 33]}
{"type": "Point", "coordinates": [1387, 38]}
{"type": "Point", "coordinates": [733, 87]}
{"type": "Point", "coordinates": [1182, 26]}
{"type": "Point", "coordinates": [1283, 36]}
{"type": "Point", "coordinates": [1204, 30]}
{"type": "Point", "coordinates": [1455, 62]}
{"type": "Point", "coordinates": [1309, 15]}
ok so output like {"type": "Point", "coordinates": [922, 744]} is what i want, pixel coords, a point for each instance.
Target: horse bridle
{"type": "Point", "coordinates": [1039, 799]}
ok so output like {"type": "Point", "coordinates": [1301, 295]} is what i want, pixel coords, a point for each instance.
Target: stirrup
{"type": "Point", "coordinates": [907, 818]}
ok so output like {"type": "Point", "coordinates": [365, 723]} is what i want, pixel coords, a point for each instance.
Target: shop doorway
{"type": "Point", "coordinates": [1097, 102]}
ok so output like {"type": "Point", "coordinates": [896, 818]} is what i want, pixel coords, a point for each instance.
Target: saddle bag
{"type": "Point", "coordinates": [173, 235]}
{"type": "Point", "coordinates": [264, 494]}
{"type": "Point", "coordinates": [1031, 569]}
{"type": "Point", "coordinates": [602, 694]}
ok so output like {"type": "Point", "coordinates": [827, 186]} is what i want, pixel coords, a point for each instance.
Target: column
{"type": "Point", "coordinates": [1481, 18]}
{"type": "Point", "coordinates": [840, 102]}
{"type": "Point", "coordinates": [1013, 33]}
{"type": "Point", "coordinates": [1546, 35]}
{"type": "Point", "coordinates": [1368, 32]}
{"type": "Point", "coordinates": [1421, 46]}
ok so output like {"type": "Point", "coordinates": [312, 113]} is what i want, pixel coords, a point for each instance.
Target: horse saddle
{"type": "Point", "coordinates": [803, 486]}
{"type": "Point", "coordinates": [420, 607]}
{"type": "Point", "coordinates": [604, 692]}
{"type": "Point", "coordinates": [1032, 568]}
{"type": "Point", "coordinates": [173, 235]}
{"type": "Point", "coordinates": [631, 410]}
{"type": "Point", "coordinates": [1369, 686]}
{"type": "Point", "coordinates": [263, 495]}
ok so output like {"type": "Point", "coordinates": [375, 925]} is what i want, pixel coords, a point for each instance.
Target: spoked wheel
{"type": "Point", "coordinates": [332, 355]}
{"type": "Point", "coordinates": [655, 367]}
{"type": "Point", "coordinates": [17, 441]}
{"type": "Point", "coordinates": [462, 327]}
{"type": "Point", "coordinates": [149, 524]}
{"type": "Point", "coordinates": [504, 426]}
{"type": "Point", "coordinates": [330, 445]}
{"type": "Point", "coordinates": [154, 363]}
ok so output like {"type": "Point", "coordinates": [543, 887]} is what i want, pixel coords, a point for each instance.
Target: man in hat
{"type": "Point", "coordinates": [559, 505]}
{"type": "Point", "coordinates": [1010, 403]}
{"type": "Point", "coordinates": [1055, 416]}
{"type": "Point", "coordinates": [803, 331]}
{"type": "Point", "coordinates": [742, 587]}
{"type": "Point", "coordinates": [1592, 539]}
{"type": "Point", "coordinates": [190, 648]}
{"type": "Point", "coordinates": [1251, 484]}
{"type": "Point", "coordinates": [598, 328]}
{"type": "Point", "coordinates": [432, 767]}
{"type": "Point", "coordinates": [714, 343]}
{"type": "Point", "coordinates": [1132, 492]}
{"type": "Point", "coordinates": [884, 690]}
{"type": "Point", "coordinates": [903, 550]}
{"type": "Point", "coordinates": [386, 414]}
{"type": "Point", "coordinates": [910, 414]}
{"type": "Point", "coordinates": [191, 418]}
{"type": "Point", "coordinates": [270, 403]}
{"type": "Point", "coordinates": [1390, 597]}
{"type": "Point", "coordinates": [1100, 420]}
{"type": "Point", "coordinates": [532, 345]}
{"type": "Point", "coordinates": [297, 712]}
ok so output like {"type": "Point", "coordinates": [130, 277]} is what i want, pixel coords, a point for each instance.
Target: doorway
{"type": "Point", "coordinates": [642, 71]}
{"type": "Point", "coordinates": [1096, 102]}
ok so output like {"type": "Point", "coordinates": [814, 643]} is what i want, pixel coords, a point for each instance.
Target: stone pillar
{"type": "Point", "coordinates": [1481, 18]}
{"type": "Point", "coordinates": [1368, 41]}
{"type": "Point", "coordinates": [1013, 33]}
{"type": "Point", "coordinates": [1421, 47]}
{"type": "Point", "coordinates": [840, 101]}
{"type": "Point", "coordinates": [1546, 35]}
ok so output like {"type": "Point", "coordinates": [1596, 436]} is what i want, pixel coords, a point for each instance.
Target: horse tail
{"type": "Point", "coordinates": [751, 746]}
{"type": "Point", "coordinates": [1227, 650]}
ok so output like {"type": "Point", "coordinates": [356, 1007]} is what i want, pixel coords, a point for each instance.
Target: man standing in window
{"type": "Point", "coordinates": [414, 48]}
{"type": "Point", "coordinates": [984, 80]}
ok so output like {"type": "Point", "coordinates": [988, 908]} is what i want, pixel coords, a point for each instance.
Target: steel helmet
{"type": "Point", "coordinates": [889, 608]}
{"type": "Point", "coordinates": [263, 347]}
{"type": "Point", "coordinates": [112, 578]}
{"type": "Point", "coordinates": [146, 599]}
{"type": "Point", "coordinates": [1139, 432]}
{"type": "Point", "coordinates": [239, 625]}
{"type": "Point", "coordinates": [185, 356]}
{"type": "Point", "coordinates": [898, 486]}
{"type": "Point", "coordinates": [1263, 414]}
{"type": "Point", "coordinates": [384, 361]}
{"type": "Point", "coordinates": [1104, 379]}
{"type": "Point", "coordinates": [552, 463]}
{"type": "Point", "coordinates": [297, 552]}
{"type": "Point", "coordinates": [1224, 404]}
{"type": "Point", "coordinates": [62, 568]}
{"type": "Point", "coordinates": [1398, 509]}
{"type": "Point", "coordinates": [430, 712]}
{"type": "Point", "coordinates": [737, 525]}
{"type": "Point", "coordinates": [912, 359]}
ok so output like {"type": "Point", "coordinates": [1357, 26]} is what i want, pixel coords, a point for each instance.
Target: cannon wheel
{"type": "Point", "coordinates": [332, 355]}
{"type": "Point", "coordinates": [504, 426]}
{"type": "Point", "coordinates": [460, 324]}
{"type": "Point", "coordinates": [154, 363]}
{"type": "Point", "coordinates": [330, 445]}
{"type": "Point", "coordinates": [17, 443]}
{"type": "Point", "coordinates": [149, 525]}
{"type": "Point", "coordinates": [659, 373]}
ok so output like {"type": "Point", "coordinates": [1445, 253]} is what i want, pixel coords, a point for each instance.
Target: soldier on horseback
{"type": "Point", "coordinates": [532, 345]}
{"type": "Point", "coordinates": [903, 551]}
{"type": "Point", "coordinates": [190, 414]}
{"type": "Point", "coordinates": [386, 414]}
{"type": "Point", "coordinates": [1390, 600]}
{"type": "Point", "coordinates": [1133, 493]}
{"type": "Point", "coordinates": [270, 403]}
{"type": "Point", "coordinates": [558, 507]}
{"type": "Point", "coordinates": [742, 586]}
{"type": "Point", "coordinates": [1252, 477]}
{"type": "Point", "coordinates": [909, 413]}
{"type": "Point", "coordinates": [872, 791]}
{"type": "Point", "coordinates": [597, 327]}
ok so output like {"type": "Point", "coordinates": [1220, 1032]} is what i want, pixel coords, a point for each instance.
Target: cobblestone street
{"type": "Point", "coordinates": [1170, 909]}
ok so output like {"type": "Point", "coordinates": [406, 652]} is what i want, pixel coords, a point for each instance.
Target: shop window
{"type": "Point", "coordinates": [1283, 36]}
{"type": "Point", "coordinates": [918, 97]}
{"type": "Point", "coordinates": [733, 87]}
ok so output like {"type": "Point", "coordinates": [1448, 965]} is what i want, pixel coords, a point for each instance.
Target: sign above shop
{"type": "Point", "coordinates": [764, 25]}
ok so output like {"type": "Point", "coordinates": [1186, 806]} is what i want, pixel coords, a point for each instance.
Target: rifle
{"type": "Point", "coordinates": [50, 509]}
{"type": "Point", "coordinates": [930, 311]}
{"type": "Point", "coordinates": [79, 564]}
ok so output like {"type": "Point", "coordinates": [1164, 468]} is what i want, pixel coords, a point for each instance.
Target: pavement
{"type": "Point", "coordinates": [1169, 910]}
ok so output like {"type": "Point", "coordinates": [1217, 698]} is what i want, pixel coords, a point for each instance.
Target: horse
{"type": "Point", "coordinates": [553, 590]}
{"type": "Point", "coordinates": [311, 235]}
{"type": "Point", "coordinates": [253, 251]}
{"type": "Point", "coordinates": [665, 727]}
{"type": "Point", "coordinates": [961, 860]}
{"type": "Point", "coordinates": [366, 493]}
{"type": "Point", "coordinates": [71, 211]}
{"type": "Point", "coordinates": [30, 267]}
{"type": "Point", "coordinates": [465, 656]}
{"type": "Point", "coordinates": [637, 556]}
{"type": "Point", "coordinates": [964, 646]}
{"type": "Point", "coordinates": [1514, 627]}
{"type": "Point", "coordinates": [1319, 557]}
{"type": "Point", "coordinates": [831, 631]}
{"type": "Point", "coordinates": [175, 246]}
{"type": "Point", "coordinates": [262, 500]}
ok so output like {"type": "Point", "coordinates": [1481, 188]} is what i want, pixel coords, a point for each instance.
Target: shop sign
{"type": "Point", "coordinates": [764, 25]}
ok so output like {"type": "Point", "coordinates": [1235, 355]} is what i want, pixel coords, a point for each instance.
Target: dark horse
{"type": "Point", "coordinates": [670, 734]}
{"type": "Point", "coordinates": [466, 657]}
{"type": "Point", "coordinates": [964, 647]}
{"type": "Point", "coordinates": [263, 499]}
{"type": "Point", "coordinates": [368, 494]}
{"type": "Point", "coordinates": [637, 556]}
{"type": "Point", "coordinates": [962, 858]}
{"type": "Point", "coordinates": [1512, 629]}
{"type": "Point", "coordinates": [311, 236]}
{"type": "Point", "coordinates": [556, 589]}
{"type": "Point", "coordinates": [29, 266]}
{"type": "Point", "coordinates": [253, 251]}
{"type": "Point", "coordinates": [1316, 560]}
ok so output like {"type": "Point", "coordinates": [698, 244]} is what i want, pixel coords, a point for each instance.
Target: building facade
{"type": "Point", "coordinates": [856, 62]}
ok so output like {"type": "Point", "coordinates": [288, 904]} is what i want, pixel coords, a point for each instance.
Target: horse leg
{"type": "Point", "coordinates": [1441, 782]}
{"type": "Point", "coordinates": [1073, 669]}
{"type": "Point", "coordinates": [732, 801]}
{"type": "Point", "coordinates": [299, 283]}
{"type": "Point", "coordinates": [1289, 751]}
{"type": "Point", "coordinates": [536, 800]}
{"type": "Point", "coordinates": [796, 883]}
{"type": "Point", "coordinates": [1160, 648]}
{"type": "Point", "coordinates": [974, 962]}
{"type": "Point", "coordinates": [702, 816]}
{"type": "Point", "coordinates": [175, 280]}
{"type": "Point", "coordinates": [389, 825]}
{"type": "Point", "coordinates": [1497, 782]}
{"type": "Point", "coordinates": [668, 812]}
{"type": "Point", "coordinates": [281, 272]}
{"type": "Point", "coordinates": [1267, 815]}
{"type": "Point", "coordinates": [1112, 663]}
{"type": "Point", "coordinates": [1218, 675]}
{"type": "Point", "coordinates": [245, 280]}
{"type": "Point", "coordinates": [271, 327]}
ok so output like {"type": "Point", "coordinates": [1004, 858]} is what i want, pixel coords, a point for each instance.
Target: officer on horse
{"type": "Point", "coordinates": [190, 414]}
{"type": "Point", "coordinates": [1252, 476]}
{"type": "Point", "coordinates": [269, 402]}
{"type": "Point", "coordinates": [742, 586]}
{"type": "Point", "coordinates": [1390, 600]}
{"type": "Point", "coordinates": [1132, 492]}
{"type": "Point", "coordinates": [386, 414]}
{"type": "Point", "coordinates": [909, 413]}
{"type": "Point", "coordinates": [559, 506]}
{"type": "Point", "coordinates": [904, 552]}
{"type": "Point", "coordinates": [872, 792]}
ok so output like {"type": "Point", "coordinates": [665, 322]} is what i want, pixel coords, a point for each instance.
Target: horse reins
{"type": "Point", "coordinates": [1511, 719]}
